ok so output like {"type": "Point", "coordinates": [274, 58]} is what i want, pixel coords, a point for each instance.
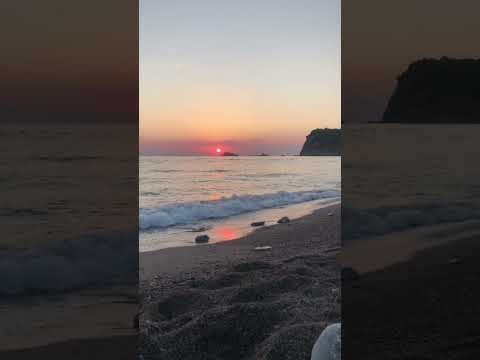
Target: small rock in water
{"type": "Point", "coordinates": [283, 220]}
{"type": "Point", "coordinates": [455, 261]}
{"type": "Point", "coordinates": [201, 239]}
{"type": "Point", "coordinates": [258, 223]}
{"type": "Point", "coordinates": [330, 214]}
{"type": "Point", "coordinates": [262, 248]}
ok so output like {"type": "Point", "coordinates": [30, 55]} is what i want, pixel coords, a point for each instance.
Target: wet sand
{"type": "Point", "coordinates": [228, 301]}
{"type": "Point", "coordinates": [368, 255]}
{"type": "Point", "coordinates": [420, 305]}
{"type": "Point", "coordinates": [65, 326]}
{"type": "Point", "coordinates": [116, 347]}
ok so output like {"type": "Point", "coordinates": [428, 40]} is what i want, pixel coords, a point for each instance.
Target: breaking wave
{"type": "Point", "coordinates": [362, 223]}
{"type": "Point", "coordinates": [92, 260]}
{"type": "Point", "coordinates": [190, 212]}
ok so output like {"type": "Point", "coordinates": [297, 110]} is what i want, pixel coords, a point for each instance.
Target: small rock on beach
{"type": "Point", "coordinates": [201, 239]}
{"type": "Point", "coordinates": [258, 223]}
{"type": "Point", "coordinates": [283, 220]}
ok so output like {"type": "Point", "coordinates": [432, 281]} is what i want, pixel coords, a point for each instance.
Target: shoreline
{"type": "Point", "coordinates": [428, 300]}
{"type": "Point", "coordinates": [400, 247]}
{"type": "Point", "coordinates": [82, 316]}
{"type": "Point", "coordinates": [230, 301]}
{"type": "Point", "coordinates": [227, 229]}
{"type": "Point", "coordinates": [151, 261]}
{"type": "Point", "coordinates": [123, 347]}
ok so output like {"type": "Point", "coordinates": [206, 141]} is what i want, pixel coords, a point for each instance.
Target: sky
{"type": "Point", "coordinates": [381, 38]}
{"type": "Point", "coordinates": [246, 76]}
{"type": "Point", "coordinates": [69, 61]}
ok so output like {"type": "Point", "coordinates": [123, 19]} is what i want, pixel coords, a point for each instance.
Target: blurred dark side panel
{"type": "Point", "coordinates": [410, 180]}
{"type": "Point", "coordinates": [69, 179]}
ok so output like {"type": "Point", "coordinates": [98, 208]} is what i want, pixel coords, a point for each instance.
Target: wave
{"type": "Point", "coordinates": [93, 260]}
{"type": "Point", "coordinates": [190, 212]}
{"type": "Point", "coordinates": [362, 223]}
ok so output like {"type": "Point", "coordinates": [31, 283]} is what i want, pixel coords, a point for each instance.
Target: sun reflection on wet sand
{"type": "Point", "coordinates": [225, 233]}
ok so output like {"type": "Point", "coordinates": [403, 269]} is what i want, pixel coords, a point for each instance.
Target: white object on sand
{"type": "Point", "coordinates": [329, 344]}
{"type": "Point", "coordinates": [262, 248]}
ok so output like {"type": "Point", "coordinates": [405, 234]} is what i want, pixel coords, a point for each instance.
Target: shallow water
{"type": "Point", "coordinates": [223, 195]}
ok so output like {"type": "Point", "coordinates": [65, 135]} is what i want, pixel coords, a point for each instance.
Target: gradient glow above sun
{"type": "Point", "coordinates": [199, 89]}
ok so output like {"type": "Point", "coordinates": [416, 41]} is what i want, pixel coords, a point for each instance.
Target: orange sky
{"type": "Point", "coordinates": [260, 85]}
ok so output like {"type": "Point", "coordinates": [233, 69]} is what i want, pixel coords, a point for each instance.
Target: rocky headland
{"type": "Point", "coordinates": [436, 91]}
{"type": "Point", "coordinates": [322, 142]}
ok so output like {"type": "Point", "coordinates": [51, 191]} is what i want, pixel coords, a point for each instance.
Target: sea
{"type": "Point", "coordinates": [398, 177]}
{"type": "Point", "coordinates": [68, 206]}
{"type": "Point", "coordinates": [182, 197]}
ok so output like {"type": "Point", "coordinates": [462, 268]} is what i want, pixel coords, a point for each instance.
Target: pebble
{"type": "Point", "coordinates": [201, 239]}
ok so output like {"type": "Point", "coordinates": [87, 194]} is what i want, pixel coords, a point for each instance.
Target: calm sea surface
{"type": "Point", "coordinates": [179, 196]}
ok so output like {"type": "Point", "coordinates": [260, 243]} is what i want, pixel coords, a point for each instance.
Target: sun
{"type": "Point", "coordinates": [218, 150]}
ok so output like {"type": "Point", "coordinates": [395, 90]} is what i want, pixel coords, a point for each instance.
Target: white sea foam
{"type": "Point", "coordinates": [191, 212]}
{"type": "Point", "coordinates": [362, 223]}
{"type": "Point", "coordinates": [87, 261]}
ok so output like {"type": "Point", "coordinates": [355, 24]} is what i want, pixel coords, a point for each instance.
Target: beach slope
{"type": "Point", "coordinates": [229, 301]}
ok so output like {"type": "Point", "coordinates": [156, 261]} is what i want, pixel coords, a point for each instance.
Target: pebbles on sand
{"type": "Point", "coordinates": [201, 239]}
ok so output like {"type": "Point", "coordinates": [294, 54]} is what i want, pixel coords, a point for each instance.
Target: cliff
{"type": "Point", "coordinates": [322, 142]}
{"type": "Point", "coordinates": [437, 91]}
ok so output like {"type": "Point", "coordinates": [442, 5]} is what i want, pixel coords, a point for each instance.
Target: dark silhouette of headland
{"type": "Point", "coordinates": [322, 142]}
{"type": "Point", "coordinates": [437, 91]}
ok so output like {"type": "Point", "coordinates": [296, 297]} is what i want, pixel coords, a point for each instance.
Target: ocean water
{"type": "Point", "coordinates": [68, 202]}
{"type": "Point", "coordinates": [400, 176]}
{"type": "Point", "coordinates": [181, 197]}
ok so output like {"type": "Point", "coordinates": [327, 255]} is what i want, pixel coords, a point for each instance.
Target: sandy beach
{"type": "Point", "coordinates": [369, 255]}
{"type": "Point", "coordinates": [228, 301]}
{"type": "Point", "coordinates": [94, 322]}
{"type": "Point", "coordinates": [416, 301]}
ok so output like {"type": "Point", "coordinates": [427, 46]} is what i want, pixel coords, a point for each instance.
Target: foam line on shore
{"type": "Point", "coordinates": [91, 260]}
{"type": "Point", "coordinates": [363, 223]}
{"type": "Point", "coordinates": [190, 212]}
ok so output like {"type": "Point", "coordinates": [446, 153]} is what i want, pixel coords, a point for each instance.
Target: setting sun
{"type": "Point", "coordinates": [219, 150]}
